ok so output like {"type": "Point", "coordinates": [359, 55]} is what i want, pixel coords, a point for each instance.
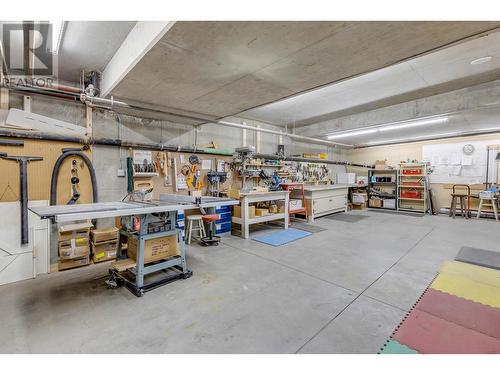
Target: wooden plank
{"type": "Point", "coordinates": [122, 265]}
{"type": "Point", "coordinates": [4, 98]}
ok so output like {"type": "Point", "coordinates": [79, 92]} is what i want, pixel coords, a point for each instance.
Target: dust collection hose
{"type": "Point", "coordinates": [55, 173]}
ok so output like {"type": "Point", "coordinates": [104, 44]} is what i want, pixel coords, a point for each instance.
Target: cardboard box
{"type": "Point", "coordinates": [80, 241]}
{"type": "Point", "coordinates": [73, 252]}
{"type": "Point", "coordinates": [155, 249]}
{"type": "Point", "coordinates": [374, 202]}
{"type": "Point", "coordinates": [359, 198]}
{"type": "Point", "coordinates": [380, 164]}
{"type": "Point", "coordinates": [234, 193]}
{"type": "Point", "coordinates": [261, 212]}
{"type": "Point", "coordinates": [69, 231]}
{"type": "Point", "coordinates": [237, 211]}
{"type": "Point", "coordinates": [295, 204]}
{"type": "Point", "coordinates": [346, 178]}
{"type": "Point", "coordinates": [104, 251]}
{"type": "Point", "coordinates": [361, 206]}
{"type": "Point", "coordinates": [104, 234]}
{"type": "Point", "coordinates": [73, 263]}
{"type": "Point", "coordinates": [389, 203]}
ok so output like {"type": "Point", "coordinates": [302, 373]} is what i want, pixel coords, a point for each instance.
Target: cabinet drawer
{"type": "Point", "coordinates": [329, 203]}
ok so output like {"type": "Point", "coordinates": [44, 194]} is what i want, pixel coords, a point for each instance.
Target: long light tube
{"type": "Point", "coordinates": [388, 127]}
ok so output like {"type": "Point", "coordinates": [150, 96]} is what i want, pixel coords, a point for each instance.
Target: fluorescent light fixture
{"type": "Point", "coordinates": [481, 60]}
{"type": "Point", "coordinates": [412, 124]}
{"type": "Point", "coordinates": [403, 140]}
{"type": "Point", "coordinates": [488, 129]}
{"type": "Point", "coordinates": [352, 133]}
{"type": "Point", "coordinates": [388, 127]}
{"type": "Point", "coordinates": [57, 33]}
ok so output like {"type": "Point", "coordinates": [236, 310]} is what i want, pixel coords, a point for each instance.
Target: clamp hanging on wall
{"type": "Point", "coordinates": [75, 194]}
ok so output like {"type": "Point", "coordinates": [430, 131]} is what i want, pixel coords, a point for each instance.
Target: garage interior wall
{"type": "Point", "coordinates": [394, 154]}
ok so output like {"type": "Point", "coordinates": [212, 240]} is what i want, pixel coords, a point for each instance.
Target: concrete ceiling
{"type": "Point", "coordinates": [473, 121]}
{"type": "Point", "coordinates": [89, 45]}
{"type": "Point", "coordinates": [445, 70]}
{"type": "Point", "coordinates": [224, 68]}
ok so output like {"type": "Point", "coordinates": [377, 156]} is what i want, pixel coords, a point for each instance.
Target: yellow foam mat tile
{"type": "Point", "coordinates": [467, 288]}
{"type": "Point", "coordinates": [477, 273]}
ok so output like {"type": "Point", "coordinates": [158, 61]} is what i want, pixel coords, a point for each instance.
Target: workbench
{"type": "Point", "coordinates": [324, 199]}
{"type": "Point", "coordinates": [254, 197]}
{"type": "Point", "coordinates": [141, 221]}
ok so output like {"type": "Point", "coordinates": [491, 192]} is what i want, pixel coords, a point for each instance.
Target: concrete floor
{"type": "Point", "coordinates": [338, 291]}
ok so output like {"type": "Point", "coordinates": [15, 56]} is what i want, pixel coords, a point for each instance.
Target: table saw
{"type": "Point", "coordinates": [141, 221]}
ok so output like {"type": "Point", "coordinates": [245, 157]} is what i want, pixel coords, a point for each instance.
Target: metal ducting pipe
{"type": "Point", "coordinates": [285, 134]}
{"type": "Point", "coordinates": [66, 92]}
{"type": "Point", "coordinates": [112, 104]}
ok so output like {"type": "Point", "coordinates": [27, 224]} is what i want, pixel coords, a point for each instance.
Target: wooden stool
{"type": "Point", "coordinates": [483, 202]}
{"type": "Point", "coordinates": [194, 223]}
{"type": "Point", "coordinates": [463, 199]}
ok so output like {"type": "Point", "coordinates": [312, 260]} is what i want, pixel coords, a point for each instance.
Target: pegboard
{"type": "Point", "coordinates": [183, 159]}
{"type": "Point", "coordinates": [40, 172]}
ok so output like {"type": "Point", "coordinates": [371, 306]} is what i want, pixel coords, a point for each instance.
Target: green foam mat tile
{"type": "Point", "coordinates": [394, 347]}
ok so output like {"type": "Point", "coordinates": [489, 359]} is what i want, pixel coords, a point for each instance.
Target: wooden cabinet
{"type": "Point", "coordinates": [324, 200]}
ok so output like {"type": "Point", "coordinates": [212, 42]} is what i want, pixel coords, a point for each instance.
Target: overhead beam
{"type": "Point", "coordinates": [138, 42]}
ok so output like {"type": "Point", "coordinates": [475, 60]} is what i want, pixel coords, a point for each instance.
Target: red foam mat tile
{"type": "Point", "coordinates": [429, 334]}
{"type": "Point", "coordinates": [468, 314]}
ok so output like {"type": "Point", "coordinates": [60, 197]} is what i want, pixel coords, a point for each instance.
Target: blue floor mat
{"type": "Point", "coordinates": [282, 237]}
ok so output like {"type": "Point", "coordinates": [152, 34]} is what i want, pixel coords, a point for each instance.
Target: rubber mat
{"type": "Point", "coordinates": [394, 347]}
{"type": "Point", "coordinates": [307, 227]}
{"type": "Point", "coordinates": [470, 271]}
{"type": "Point", "coordinates": [282, 237]}
{"type": "Point", "coordinates": [468, 314]}
{"type": "Point", "coordinates": [394, 212]}
{"type": "Point", "coordinates": [480, 257]}
{"type": "Point", "coordinates": [346, 218]}
{"type": "Point", "coordinates": [429, 334]}
{"type": "Point", "coordinates": [468, 289]}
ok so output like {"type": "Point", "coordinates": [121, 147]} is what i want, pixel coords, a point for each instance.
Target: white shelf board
{"type": "Point", "coordinates": [259, 219]}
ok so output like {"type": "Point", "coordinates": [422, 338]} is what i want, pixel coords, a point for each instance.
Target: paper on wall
{"type": "Point", "coordinates": [142, 157]}
{"type": "Point", "coordinates": [182, 158]}
{"type": "Point", "coordinates": [455, 159]}
{"type": "Point", "coordinates": [206, 164]}
{"type": "Point", "coordinates": [456, 170]}
{"type": "Point", "coordinates": [181, 182]}
{"type": "Point", "coordinates": [443, 160]}
{"type": "Point", "coordinates": [466, 160]}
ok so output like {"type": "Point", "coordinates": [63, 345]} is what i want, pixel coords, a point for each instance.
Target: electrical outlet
{"type": "Point", "coordinates": [121, 173]}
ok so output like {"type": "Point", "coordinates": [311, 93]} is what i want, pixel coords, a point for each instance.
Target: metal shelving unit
{"type": "Point", "coordinates": [380, 188]}
{"type": "Point", "coordinates": [411, 178]}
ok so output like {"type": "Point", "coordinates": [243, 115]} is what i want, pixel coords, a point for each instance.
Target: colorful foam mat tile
{"type": "Point", "coordinates": [476, 316]}
{"type": "Point", "coordinates": [394, 347]}
{"type": "Point", "coordinates": [470, 271]}
{"type": "Point", "coordinates": [467, 288]}
{"type": "Point", "coordinates": [429, 334]}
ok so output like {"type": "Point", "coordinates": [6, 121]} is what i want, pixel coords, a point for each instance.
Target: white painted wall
{"type": "Point", "coordinates": [21, 262]}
